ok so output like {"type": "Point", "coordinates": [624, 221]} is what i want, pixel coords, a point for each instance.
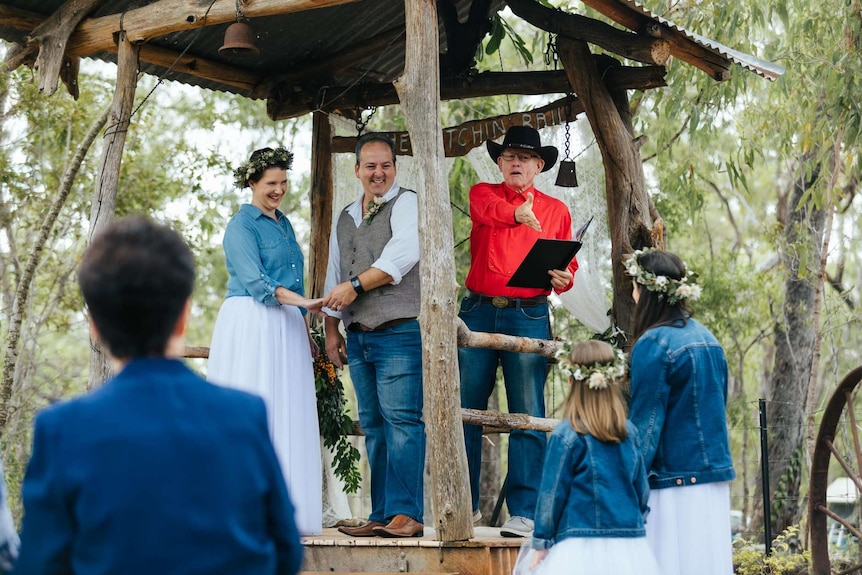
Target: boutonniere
{"type": "Point", "coordinates": [372, 207]}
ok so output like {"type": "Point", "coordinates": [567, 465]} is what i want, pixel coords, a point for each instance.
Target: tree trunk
{"type": "Point", "coordinates": [105, 194]}
{"type": "Point", "coordinates": [23, 290]}
{"type": "Point", "coordinates": [628, 205]}
{"type": "Point", "coordinates": [419, 91]}
{"type": "Point", "coordinates": [794, 331]}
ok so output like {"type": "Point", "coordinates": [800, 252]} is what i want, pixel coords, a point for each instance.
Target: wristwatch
{"type": "Point", "coordinates": [357, 285]}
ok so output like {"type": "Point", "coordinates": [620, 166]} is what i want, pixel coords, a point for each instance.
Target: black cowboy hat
{"type": "Point", "coordinates": [524, 138]}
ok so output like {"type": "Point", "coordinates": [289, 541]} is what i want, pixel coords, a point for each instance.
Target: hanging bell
{"type": "Point", "coordinates": [239, 41]}
{"type": "Point", "coordinates": [567, 177]}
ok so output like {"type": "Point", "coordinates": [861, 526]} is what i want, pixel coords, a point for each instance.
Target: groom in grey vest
{"type": "Point", "coordinates": [372, 285]}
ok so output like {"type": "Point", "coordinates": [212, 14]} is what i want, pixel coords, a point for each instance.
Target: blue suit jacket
{"type": "Point", "coordinates": [157, 472]}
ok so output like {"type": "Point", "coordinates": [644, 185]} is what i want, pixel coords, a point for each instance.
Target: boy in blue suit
{"type": "Point", "coordinates": [157, 471]}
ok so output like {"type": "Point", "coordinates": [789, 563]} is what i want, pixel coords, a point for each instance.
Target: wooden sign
{"type": "Point", "coordinates": [459, 140]}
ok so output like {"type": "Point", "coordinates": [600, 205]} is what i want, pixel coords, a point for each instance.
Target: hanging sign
{"type": "Point", "coordinates": [458, 140]}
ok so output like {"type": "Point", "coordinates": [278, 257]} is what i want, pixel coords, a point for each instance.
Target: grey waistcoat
{"type": "Point", "coordinates": [360, 247]}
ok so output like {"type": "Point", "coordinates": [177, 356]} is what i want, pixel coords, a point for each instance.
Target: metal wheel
{"type": "Point", "coordinates": [837, 440]}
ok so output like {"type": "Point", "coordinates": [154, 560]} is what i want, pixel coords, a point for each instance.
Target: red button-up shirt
{"type": "Point", "coordinates": [498, 244]}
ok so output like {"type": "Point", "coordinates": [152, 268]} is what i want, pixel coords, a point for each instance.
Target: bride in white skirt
{"type": "Point", "coordinates": [261, 342]}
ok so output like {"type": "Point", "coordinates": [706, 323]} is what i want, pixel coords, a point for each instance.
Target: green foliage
{"type": "Point", "coordinates": [500, 29]}
{"type": "Point", "coordinates": [785, 558]}
{"type": "Point", "coordinates": [335, 423]}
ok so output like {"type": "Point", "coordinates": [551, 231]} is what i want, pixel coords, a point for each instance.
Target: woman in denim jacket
{"type": "Point", "coordinates": [261, 343]}
{"type": "Point", "coordinates": [593, 494]}
{"type": "Point", "coordinates": [678, 402]}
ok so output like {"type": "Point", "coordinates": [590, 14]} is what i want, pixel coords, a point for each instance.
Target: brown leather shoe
{"type": "Point", "coordinates": [366, 530]}
{"type": "Point", "coordinates": [401, 526]}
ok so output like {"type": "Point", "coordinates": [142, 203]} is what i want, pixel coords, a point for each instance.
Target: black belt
{"type": "Point", "coordinates": [503, 301]}
{"type": "Point", "coordinates": [356, 326]}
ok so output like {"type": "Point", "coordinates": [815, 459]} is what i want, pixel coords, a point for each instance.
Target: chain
{"type": "Point", "coordinates": [551, 51]}
{"type": "Point", "coordinates": [360, 123]}
{"type": "Point", "coordinates": [568, 141]}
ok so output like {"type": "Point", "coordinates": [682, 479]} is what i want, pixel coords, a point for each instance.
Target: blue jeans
{"type": "Point", "coordinates": [524, 376]}
{"type": "Point", "coordinates": [386, 369]}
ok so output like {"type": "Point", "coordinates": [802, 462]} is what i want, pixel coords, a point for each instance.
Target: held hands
{"type": "Point", "coordinates": [560, 279]}
{"type": "Point", "coordinates": [313, 305]}
{"type": "Point", "coordinates": [340, 297]}
{"type": "Point", "coordinates": [524, 214]}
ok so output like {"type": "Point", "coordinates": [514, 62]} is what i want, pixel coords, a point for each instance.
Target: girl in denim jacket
{"type": "Point", "coordinates": [678, 399]}
{"type": "Point", "coordinates": [594, 490]}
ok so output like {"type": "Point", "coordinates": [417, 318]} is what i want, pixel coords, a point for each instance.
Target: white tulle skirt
{"type": "Point", "coordinates": [265, 350]}
{"type": "Point", "coordinates": [688, 529]}
{"type": "Point", "coordinates": [591, 556]}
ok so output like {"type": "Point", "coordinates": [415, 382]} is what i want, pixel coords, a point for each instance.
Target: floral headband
{"type": "Point", "coordinates": [676, 291]}
{"type": "Point", "coordinates": [597, 375]}
{"type": "Point", "coordinates": [260, 162]}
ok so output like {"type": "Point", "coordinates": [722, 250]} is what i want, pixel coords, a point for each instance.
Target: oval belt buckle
{"type": "Point", "coordinates": [500, 301]}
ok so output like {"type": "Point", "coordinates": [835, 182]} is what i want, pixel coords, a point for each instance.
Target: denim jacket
{"type": "Point", "coordinates": [678, 402]}
{"type": "Point", "coordinates": [262, 254]}
{"type": "Point", "coordinates": [590, 488]}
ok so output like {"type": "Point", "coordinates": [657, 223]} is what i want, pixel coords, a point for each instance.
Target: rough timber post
{"type": "Point", "coordinates": [419, 92]}
{"type": "Point", "coordinates": [320, 197]}
{"type": "Point", "coordinates": [105, 194]}
{"type": "Point", "coordinates": [628, 205]}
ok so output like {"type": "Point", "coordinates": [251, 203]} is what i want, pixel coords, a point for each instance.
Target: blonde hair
{"type": "Point", "coordinates": [599, 412]}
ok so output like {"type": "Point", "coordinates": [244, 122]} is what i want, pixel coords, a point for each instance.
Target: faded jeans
{"type": "Point", "coordinates": [524, 376]}
{"type": "Point", "coordinates": [386, 369]}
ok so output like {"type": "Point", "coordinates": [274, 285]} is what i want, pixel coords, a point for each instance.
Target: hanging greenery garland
{"type": "Point", "coordinates": [335, 424]}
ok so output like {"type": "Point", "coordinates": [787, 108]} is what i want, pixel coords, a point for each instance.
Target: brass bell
{"type": "Point", "coordinates": [567, 177]}
{"type": "Point", "coordinates": [239, 41]}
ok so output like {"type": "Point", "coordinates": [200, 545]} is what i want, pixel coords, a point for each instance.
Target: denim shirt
{"type": "Point", "coordinates": [678, 401]}
{"type": "Point", "coordinates": [590, 488]}
{"type": "Point", "coordinates": [261, 254]}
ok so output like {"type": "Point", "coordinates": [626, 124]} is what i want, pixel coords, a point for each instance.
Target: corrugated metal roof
{"type": "Point", "coordinates": [751, 63]}
{"type": "Point", "coordinates": [303, 40]}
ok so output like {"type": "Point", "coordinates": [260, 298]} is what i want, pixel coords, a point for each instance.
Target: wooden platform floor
{"type": "Point", "coordinates": [486, 554]}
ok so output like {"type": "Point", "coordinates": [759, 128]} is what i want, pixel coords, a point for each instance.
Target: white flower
{"type": "Point", "coordinates": [597, 380]}
{"type": "Point", "coordinates": [661, 281]}
{"type": "Point", "coordinates": [378, 200]}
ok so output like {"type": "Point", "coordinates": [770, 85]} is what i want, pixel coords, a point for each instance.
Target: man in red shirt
{"type": "Point", "coordinates": [507, 219]}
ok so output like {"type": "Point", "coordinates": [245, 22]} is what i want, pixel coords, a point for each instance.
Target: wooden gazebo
{"type": "Point", "coordinates": [341, 57]}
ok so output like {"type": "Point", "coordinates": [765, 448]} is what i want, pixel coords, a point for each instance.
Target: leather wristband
{"type": "Point", "coordinates": [357, 285]}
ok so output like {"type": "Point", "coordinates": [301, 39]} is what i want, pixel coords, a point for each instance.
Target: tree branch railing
{"type": "Point", "coordinates": [491, 421]}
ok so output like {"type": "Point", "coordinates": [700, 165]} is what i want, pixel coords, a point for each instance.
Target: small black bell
{"type": "Point", "coordinates": [567, 177]}
{"type": "Point", "coordinates": [239, 41]}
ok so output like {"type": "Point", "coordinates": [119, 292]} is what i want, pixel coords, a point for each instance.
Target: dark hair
{"type": "Point", "coordinates": [652, 309]}
{"type": "Point", "coordinates": [136, 276]}
{"type": "Point", "coordinates": [371, 137]}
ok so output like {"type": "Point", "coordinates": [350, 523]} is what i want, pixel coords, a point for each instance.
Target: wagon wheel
{"type": "Point", "coordinates": [839, 410]}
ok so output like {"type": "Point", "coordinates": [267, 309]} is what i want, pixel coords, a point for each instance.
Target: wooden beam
{"type": "Point", "coordinates": [288, 103]}
{"type": "Point", "coordinates": [458, 140]}
{"type": "Point", "coordinates": [419, 91]}
{"type": "Point", "coordinates": [51, 37]}
{"type": "Point", "coordinates": [244, 81]}
{"type": "Point", "coordinates": [632, 46]}
{"type": "Point", "coordinates": [167, 16]}
{"type": "Point", "coordinates": [681, 47]}
{"type": "Point", "coordinates": [105, 193]}
{"type": "Point", "coordinates": [625, 192]}
{"type": "Point", "coordinates": [321, 199]}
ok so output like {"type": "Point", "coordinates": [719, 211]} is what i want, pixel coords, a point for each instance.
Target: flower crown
{"type": "Point", "coordinates": [676, 291]}
{"type": "Point", "coordinates": [260, 162]}
{"type": "Point", "coordinates": [597, 375]}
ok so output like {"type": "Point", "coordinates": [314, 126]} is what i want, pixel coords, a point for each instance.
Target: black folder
{"type": "Point", "coordinates": [545, 255]}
